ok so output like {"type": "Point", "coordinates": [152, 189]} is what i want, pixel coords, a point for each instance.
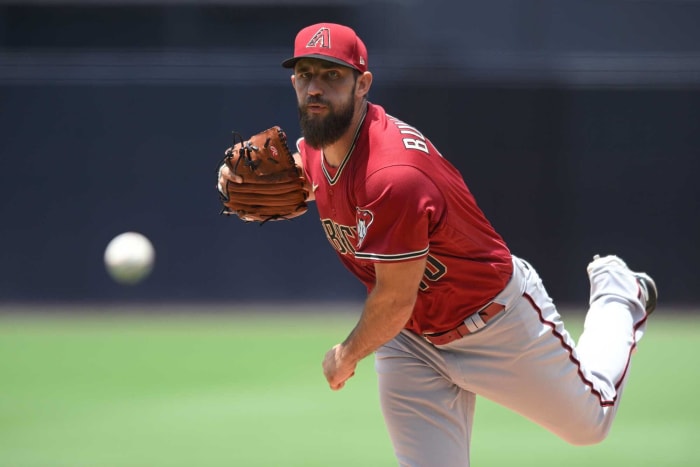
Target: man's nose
{"type": "Point", "coordinates": [314, 87]}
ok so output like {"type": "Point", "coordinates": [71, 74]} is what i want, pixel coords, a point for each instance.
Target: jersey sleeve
{"type": "Point", "coordinates": [399, 206]}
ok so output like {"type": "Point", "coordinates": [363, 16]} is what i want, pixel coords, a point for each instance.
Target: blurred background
{"type": "Point", "coordinates": [575, 124]}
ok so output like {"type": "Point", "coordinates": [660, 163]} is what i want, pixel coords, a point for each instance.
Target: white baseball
{"type": "Point", "coordinates": [129, 258]}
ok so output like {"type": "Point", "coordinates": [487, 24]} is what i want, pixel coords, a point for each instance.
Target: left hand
{"type": "Point", "coordinates": [259, 179]}
{"type": "Point", "coordinates": [336, 369]}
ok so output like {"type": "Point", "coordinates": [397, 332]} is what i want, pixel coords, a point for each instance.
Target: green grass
{"type": "Point", "coordinates": [153, 389]}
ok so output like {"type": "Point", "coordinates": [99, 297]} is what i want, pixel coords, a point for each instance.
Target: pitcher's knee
{"type": "Point", "coordinates": [586, 435]}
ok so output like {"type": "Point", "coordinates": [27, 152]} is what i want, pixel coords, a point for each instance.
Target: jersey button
{"type": "Point", "coordinates": [330, 192]}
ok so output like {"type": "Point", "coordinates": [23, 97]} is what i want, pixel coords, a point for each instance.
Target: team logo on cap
{"type": "Point", "coordinates": [322, 38]}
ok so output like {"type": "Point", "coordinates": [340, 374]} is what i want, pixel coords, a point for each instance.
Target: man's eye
{"type": "Point", "coordinates": [333, 74]}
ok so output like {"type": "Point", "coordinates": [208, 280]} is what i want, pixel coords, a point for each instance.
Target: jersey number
{"type": "Point", "coordinates": [434, 270]}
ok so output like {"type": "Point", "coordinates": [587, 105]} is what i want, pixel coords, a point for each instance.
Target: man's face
{"type": "Point", "coordinates": [326, 99]}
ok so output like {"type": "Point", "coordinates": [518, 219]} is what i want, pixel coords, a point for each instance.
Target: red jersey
{"type": "Point", "coordinates": [395, 198]}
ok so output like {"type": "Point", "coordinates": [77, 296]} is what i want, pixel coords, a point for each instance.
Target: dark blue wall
{"type": "Point", "coordinates": [103, 132]}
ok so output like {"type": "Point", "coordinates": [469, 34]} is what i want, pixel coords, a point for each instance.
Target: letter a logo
{"type": "Point", "coordinates": [322, 39]}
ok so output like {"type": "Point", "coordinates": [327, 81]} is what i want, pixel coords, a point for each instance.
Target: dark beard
{"type": "Point", "coordinates": [320, 132]}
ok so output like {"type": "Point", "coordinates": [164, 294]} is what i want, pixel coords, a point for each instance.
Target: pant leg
{"type": "Point", "coordinates": [525, 359]}
{"type": "Point", "coordinates": [428, 417]}
{"type": "Point", "coordinates": [615, 322]}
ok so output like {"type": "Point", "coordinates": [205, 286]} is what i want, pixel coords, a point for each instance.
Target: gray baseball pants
{"type": "Point", "coordinates": [523, 359]}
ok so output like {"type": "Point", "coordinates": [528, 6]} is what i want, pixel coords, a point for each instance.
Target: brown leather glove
{"type": "Point", "coordinates": [273, 186]}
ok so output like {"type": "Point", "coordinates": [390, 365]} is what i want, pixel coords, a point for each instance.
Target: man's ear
{"type": "Point", "coordinates": [364, 82]}
{"type": "Point", "coordinates": [292, 78]}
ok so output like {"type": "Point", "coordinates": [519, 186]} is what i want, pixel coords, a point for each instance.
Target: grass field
{"type": "Point", "coordinates": [196, 388]}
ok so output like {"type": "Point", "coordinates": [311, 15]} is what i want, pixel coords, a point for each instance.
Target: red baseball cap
{"type": "Point", "coordinates": [332, 42]}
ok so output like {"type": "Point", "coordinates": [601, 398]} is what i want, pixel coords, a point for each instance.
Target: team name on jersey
{"type": "Point", "coordinates": [341, 238]}
{"type": "Point", "coordinates": [417, 142]}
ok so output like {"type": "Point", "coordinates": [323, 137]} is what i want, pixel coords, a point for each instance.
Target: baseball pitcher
{"type": "Point", "coordinates": [451, 312]}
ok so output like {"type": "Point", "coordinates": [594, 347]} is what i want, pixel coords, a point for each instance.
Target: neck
{"type": "Point", "coordinates": [336, 152]}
